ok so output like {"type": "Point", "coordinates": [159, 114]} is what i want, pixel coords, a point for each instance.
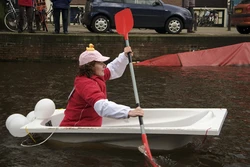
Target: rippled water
{"type": "Point", "coordinates": [22, 85]}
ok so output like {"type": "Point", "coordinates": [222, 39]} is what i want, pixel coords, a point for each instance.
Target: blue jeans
{"type": "Point", "coordinates": [56, 14]}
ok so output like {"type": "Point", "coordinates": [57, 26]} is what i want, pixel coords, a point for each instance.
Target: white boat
{"type": "Point", "coordinates": [166, 128]}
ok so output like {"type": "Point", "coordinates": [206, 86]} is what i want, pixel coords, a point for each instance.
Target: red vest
{"type": "Point", "coordinates": [40, 5]}
{"type": "Point", "coordinates": [25, 2]}
{"type": "Point", "coordinates": [80, 109]}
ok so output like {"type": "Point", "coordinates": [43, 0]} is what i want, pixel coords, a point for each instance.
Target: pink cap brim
{"type": "Point", "coordinates": [103, 59]}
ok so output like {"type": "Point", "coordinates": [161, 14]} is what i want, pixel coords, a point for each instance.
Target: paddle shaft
{"type": "Point", "coordinates": [131, 67]}
{"type": "Point", "coordinates": [144, 136]}
{"type": "Point", "coordinates": [124, 23]}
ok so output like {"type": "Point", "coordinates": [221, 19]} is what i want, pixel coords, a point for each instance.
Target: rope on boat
{"type": "Point", "coordinates": [38, 144]}
{"type": "Point", "coordinates": [205, 135]}
{"type": "Point", "coordinates": [26, 129]}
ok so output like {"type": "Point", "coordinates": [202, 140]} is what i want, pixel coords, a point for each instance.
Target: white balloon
{"type": "Point", "coordinates": [31, 116]}
{"type": "Point", "coordinates": [15, 125]}
{"type": "Point", "coordinates": [8, 120]}
{"type": "Point", "coordinates": [44, 109]}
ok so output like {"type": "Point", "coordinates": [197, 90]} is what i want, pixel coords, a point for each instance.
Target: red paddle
{"type": "Point", "coordinates": [124, 22]}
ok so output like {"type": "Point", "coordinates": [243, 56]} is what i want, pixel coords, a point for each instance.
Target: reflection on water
{"type": "Point", "coordinates": [24, 84]}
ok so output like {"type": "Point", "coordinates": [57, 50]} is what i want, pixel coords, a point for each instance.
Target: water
{"type": "Point", "coordinates": [22, 85]}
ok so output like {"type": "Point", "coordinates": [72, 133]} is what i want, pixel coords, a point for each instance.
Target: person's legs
{"type": "Point", "coordinates": [65, 20]}
{"type": "Point", "coordinates": [38, 20]}
{"type": "Point", "coordinates": [190, 29]}
{"type": "Point", "coordinates": [56, 15]}
{"type": "Point", "coordinates": [43, 20]}
{"type": "Point", "coordinates": [29, 14]}
{"type": "Point", "coordinates": [20, 19]}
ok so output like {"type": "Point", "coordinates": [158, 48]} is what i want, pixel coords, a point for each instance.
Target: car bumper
{"type": "Point", "coordinates": [240, 20]}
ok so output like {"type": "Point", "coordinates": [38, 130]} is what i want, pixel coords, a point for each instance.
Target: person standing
{"type": "Point", "coordinates": [58, 6]}
{"type": "Point", "coordinates": [40, 14]}
{"type": "Point", "coordinates": [25, 5]}
{"type": "Point", "coordinates": [190, 4]}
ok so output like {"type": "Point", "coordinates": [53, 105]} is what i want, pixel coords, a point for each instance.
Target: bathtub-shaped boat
{"type": "Point", "coordinates": [166, 128]}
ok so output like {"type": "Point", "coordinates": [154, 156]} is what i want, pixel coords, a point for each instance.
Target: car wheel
{"type": "Point", "coordinates": [160, 30]}
{"type": "Point", "coordinates": [89, 28]}
{"type": "Point", "coordinates": [100, 24]}
{"type": "Point", "coordinates": [174, 25]}
{"type": "Point", "coordinates": [243, 30]}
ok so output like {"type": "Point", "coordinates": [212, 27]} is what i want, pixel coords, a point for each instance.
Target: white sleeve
{"type": "Point", "coordinates": [106, 108]}
{"type": "Point", "coordinates": [118, 66]}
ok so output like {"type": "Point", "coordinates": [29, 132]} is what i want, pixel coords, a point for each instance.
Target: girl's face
{"type": "Point", "coordinates": [99, 68]}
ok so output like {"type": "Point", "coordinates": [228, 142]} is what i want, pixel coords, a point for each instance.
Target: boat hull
{"type": "Point", "coordinates": [156, 142]}
{"type": "Point", "coordinates": [166, 129]}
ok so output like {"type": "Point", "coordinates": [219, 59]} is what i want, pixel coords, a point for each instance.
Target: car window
{"type": "Point", "coordinates": [115, 1]}
{"type": "Point", "coordinates": [144, 2]}
{"type": "Point", "coordinates": [245, 1]}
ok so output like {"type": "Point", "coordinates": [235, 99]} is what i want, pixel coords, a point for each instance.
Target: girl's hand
{"type": "Point", "coordinates": [136, 112]}
{"type": "Point", "coordinates": [127, 50]}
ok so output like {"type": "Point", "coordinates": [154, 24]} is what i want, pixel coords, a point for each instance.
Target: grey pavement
{"type": "Point", "coordinates": [207, 31]}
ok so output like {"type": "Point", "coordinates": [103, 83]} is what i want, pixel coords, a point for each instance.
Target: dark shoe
{"type": "Point", "coordinates": [65, 32]}
{"type": "Point", "coordinates": [55, 32]}
{"type": "Point", "coordinates": [31, 31]}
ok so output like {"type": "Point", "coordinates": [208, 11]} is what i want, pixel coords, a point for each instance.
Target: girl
{"type": "Point", "coordinates": [88, 101]}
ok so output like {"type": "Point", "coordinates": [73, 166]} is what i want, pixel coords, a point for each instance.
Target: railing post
{"type": "Point", "coordinates": [230, 11]}
{"type": "Point", "coordinates": [195, 21]}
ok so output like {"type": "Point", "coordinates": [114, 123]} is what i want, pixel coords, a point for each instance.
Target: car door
{"type": "Point", "coordinates": [146, 13]}
{"type": "Point", "coordinates": [110, 8]}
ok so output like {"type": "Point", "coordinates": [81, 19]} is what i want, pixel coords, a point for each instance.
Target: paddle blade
{"type": "Point", "coordinates": [142, 149]}
{"type": "Point", "coordinates": [146, 146]}
{"type": "Point", "coordinates": [124, 22]}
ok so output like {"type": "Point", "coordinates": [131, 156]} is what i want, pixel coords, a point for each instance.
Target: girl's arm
{"type": "Point", "coordinates": [118, 66]}
{"type": "Point", "coordinates": [106, 108]}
